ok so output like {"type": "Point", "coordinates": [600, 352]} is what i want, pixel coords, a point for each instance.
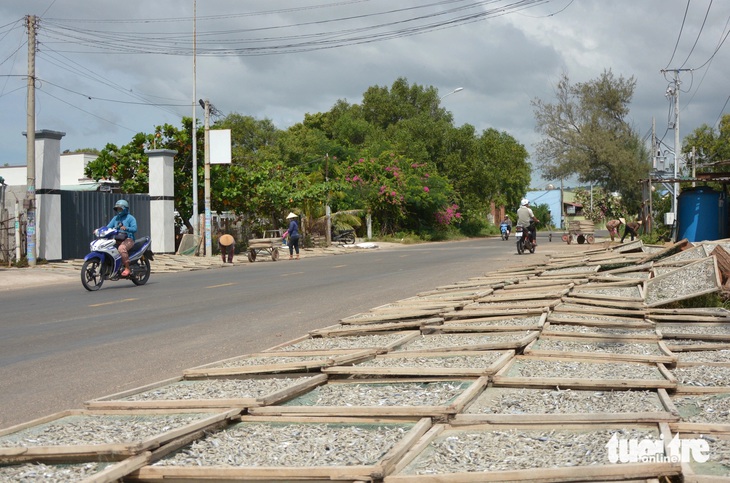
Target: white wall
{"type": "Point", "coordinates": [72, 171]}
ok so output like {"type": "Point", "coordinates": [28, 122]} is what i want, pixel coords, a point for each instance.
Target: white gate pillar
{"type": "Point", "coordinates": [162, 199]}
{"type": "Point", "coordinates": [48, 194]}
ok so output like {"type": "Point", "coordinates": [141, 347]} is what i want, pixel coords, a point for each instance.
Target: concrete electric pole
{"type": "Point", "coordinates": [32, 22]}
{"type": "Point", "coordinates": [208, 238]}
{"type": "Point", "coordinates": [196, 215]}
{"type": "Point", "coordinates": [673, 93]}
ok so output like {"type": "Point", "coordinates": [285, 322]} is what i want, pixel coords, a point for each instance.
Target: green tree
{"type": "Point", "coordinates": [129, 165]}
{"type": "Point", "coordinates": [604, 207]}
{"type": "Point", "coordinates": [399, 193]}
{"type": "Point", "coordinates": [586, 133]}
{"type": "Point", "coordinates": [711, 146]}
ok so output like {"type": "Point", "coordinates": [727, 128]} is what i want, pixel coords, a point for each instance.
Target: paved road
{"type": "Point", "coordinates": [61, 345]}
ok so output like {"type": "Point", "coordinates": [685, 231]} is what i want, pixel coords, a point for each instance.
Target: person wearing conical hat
{"type": "Point", "coordinates": [227, 245]}
{"type": "Point", "coordinates": [293, 233]}
{"type": "Point", "coordinates": [613, 226]}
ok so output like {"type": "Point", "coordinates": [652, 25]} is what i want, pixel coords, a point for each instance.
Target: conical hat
{"type": "Point", "coordinates": [226, 240]}
{"type": "Point", "coordinates": [291, 215]}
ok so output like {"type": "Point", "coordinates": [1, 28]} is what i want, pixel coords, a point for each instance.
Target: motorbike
{"type": "Point", "coordinates": [505, 229]}
{"type": "Point", "coordinates": [525, 241]}
{"type": "Point", "coordinates": [344, 236]}
{"type": "Point", "coordinates": [104, 262]}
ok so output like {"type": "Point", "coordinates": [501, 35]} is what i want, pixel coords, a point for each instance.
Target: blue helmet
{"type": "Point", "coordinates": [121, 206]}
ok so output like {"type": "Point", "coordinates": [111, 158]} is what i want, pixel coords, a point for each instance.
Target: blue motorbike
{"type": "Point", "coordinates": [105, 262]}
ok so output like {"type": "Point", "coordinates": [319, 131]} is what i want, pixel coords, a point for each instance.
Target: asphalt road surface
{"type": "Point", "coordinates": [61, 345]}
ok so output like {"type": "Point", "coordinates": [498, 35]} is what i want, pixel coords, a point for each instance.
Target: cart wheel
{"type": "Point", "coordinates": [252, 255]}
{"type": "Point", "coordinates": [581, 239]}
{"type": "Point", "coordinates": [275, 254]}
{"type": "Point", "coordinates": [590, 239]}
{"type": "Point", "coordinates": [566, 238]}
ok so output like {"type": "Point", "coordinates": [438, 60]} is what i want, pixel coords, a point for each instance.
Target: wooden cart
{"type": "Point", "coordinates": [581, 232]}
{"type": "Point", "coordinates": [269, 246]}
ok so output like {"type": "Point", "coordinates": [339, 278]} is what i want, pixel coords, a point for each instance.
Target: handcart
{"type": "Point", "coordinates": [269, 246]}
{"type": "Point", "coordinates": [581, 232]}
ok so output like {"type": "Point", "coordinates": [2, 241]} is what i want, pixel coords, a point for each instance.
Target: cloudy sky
{"type": "Point", "coordinates": [108, 69]}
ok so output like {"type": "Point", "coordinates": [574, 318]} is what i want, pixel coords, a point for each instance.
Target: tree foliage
{"type": "Point", "coordinates": [600, 205]}
{"type": "Point", "coordinates": [712, 147]}
{"type": "Point", "coordinates": [397, 155]}
{"type": "Point", "coordinates": [586, 134]}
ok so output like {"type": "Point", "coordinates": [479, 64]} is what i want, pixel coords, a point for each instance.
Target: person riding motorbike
{"type": "Point", "coordinates": [506, 227]}
{"type": "Point", "coordinates": [524, 217]}
{"type": "Point", "coordinates": [125, 224]}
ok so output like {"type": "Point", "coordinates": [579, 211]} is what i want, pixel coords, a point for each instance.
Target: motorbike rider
{"type": "Point", "coordinates": [525, 216]}
{"type": "Point", "coordinates": [125, 223]}
{"type": "Point", "coordinates": [507, 223]}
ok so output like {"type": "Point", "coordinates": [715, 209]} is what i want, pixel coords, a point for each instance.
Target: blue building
{"type": "Point", "coordinates": [551, 198]}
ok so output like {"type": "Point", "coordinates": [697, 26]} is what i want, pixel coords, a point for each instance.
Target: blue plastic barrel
{"type": "Point", "coordinates": [702, 214]}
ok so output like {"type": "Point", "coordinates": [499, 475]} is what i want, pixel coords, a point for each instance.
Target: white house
{"type": "Point", "coordinates": [72, 172]}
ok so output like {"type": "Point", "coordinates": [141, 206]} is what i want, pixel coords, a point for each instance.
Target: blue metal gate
{"type": "Point", "coordinates": [84, 211]}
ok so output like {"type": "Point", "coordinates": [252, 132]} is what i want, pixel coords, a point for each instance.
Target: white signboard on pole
{"type": "Point", "coordinates": [220, 146]}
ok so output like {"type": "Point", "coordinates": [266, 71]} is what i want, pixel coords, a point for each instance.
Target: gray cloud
{"type": "Point", "coordinates": [503, 63]}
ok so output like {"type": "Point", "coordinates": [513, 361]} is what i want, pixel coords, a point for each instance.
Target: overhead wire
{"type": "Point", "coordinates": [679, 36]}
{"type": "Point", "coordinates": [702, 27]}
{"type": "Point", "coordinates": [94, 98]}
{"type": "Point", "coordinates": [87, 112]}
{"type": "Point", "coordinates": [90, 74]}
{"type": "Point", "coordinates": [179, 44]}
{"type": "Point", "coordinates": [60, 36]}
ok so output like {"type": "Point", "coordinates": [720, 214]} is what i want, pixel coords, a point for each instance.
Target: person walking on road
{"type": "Point", "coordinates": [293, 235]}
{"type": "Point", "coordinates": [126, 224]}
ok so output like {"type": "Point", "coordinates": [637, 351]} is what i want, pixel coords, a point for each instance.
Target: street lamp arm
{"type": "Point", "coordinates": [458, 89]}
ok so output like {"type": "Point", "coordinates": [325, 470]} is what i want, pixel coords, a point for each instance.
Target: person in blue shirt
{"type": "Point", "coordinates": [124, 223]}
{"type": "Point", "coordinates": [293, 233]}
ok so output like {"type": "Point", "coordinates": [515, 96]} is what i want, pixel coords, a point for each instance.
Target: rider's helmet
{"type": "Point", "coordinates": [524, 202]}
{"type": "Point", "coordinates": [121, 206]}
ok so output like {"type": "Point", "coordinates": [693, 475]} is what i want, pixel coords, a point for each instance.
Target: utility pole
{"type": "Point", "coordinates": [208, 239]}
{"type": "Point", "coordinates": [196, 216]}
{"type": "Point", "coordinates": [673, 92]}
{"type": "Point", "coordinates": [327, 212]}
{"type": "Point", "coordinates": [32, 22]}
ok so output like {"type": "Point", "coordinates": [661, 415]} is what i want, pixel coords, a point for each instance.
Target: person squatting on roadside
{"type": "Point", "coordinates": [631, 229]}
{"type": "Point", "coordinates": [227, 246]}
{"type": "Point", "coordinates": [293, 234]}
{"type": "Point", "coordinates": [613, 226]}
{"type": "Point", "coordinates": [126, 224]}
{"type": "Point", "coordinates": [524, 216]}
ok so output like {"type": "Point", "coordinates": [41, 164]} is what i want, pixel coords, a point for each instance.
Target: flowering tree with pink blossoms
{"type": "Point", "coordinates": [399, 193]}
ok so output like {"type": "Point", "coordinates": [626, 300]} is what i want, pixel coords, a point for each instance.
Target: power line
{"type": "Point", "coordinates": [679, 36]}
{"type": "Point", "coordinates": [702, 27]}
{"type": "Point", "coordinates": [179, 44]}
{"type": "Point", "coordinates": [93, 98]}
{"type": "Point", "coordinates": [87, 112]}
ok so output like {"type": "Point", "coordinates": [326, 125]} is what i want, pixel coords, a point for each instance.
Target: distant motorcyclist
{"type": "Point", "coordinates": [525, 216]}
{"type": "Point", "coordinates": [125, 223]}
{"type": "Point", "coordinates": [506, 227]}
